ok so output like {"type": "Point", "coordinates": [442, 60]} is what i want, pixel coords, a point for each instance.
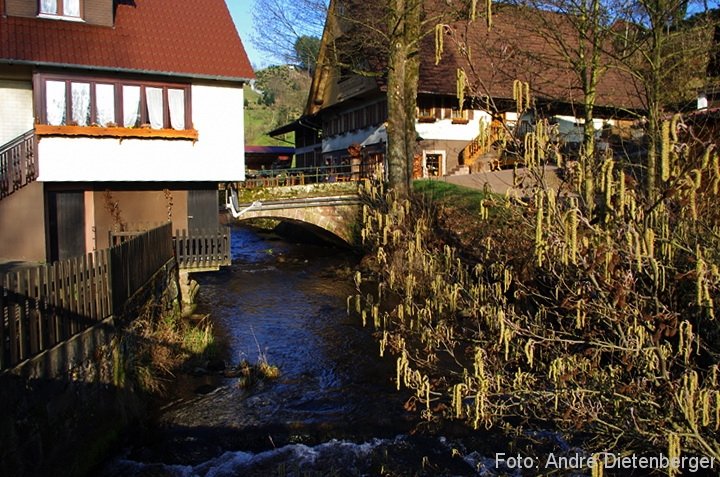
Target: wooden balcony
{"type": "Point", "coordinates": [18, 163]}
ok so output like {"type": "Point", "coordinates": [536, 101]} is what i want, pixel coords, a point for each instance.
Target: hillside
{"type": "Point", "coordinates": [279, 98]}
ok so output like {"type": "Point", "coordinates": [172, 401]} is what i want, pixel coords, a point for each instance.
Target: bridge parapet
{"type": "Point", "coordinates": [336, 214]}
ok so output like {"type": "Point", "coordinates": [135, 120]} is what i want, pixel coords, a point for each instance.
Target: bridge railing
{"type": "Point", "coordinates": [308, 175]}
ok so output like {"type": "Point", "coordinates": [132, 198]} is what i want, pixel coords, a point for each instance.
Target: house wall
{"type": "Point", "coordinates": [95, 12]}
{"type": "Point", "coordinates": [21, 8]}
{"type": "Point", "coordinates": [99, 12]}
{"type": "Point", "coordinates": [22, 225]}
{"type": "Point", "coordinates": [445, 129]}
{"type": "Point", "coordinates": [16, 109]}
{"type": "Point", "coordinates": [137, 207]}
{"type": "Point", "coordinates": [441, 135]}
{"type": "Point", "coordinates": [217, 156]}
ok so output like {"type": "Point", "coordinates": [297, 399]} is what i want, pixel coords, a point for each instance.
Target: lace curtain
{"type": "Point", "coordinates": [104, 104]}
{"type": "Point", "coordinates": [80, 103]}
{"type": "Point", "coordinates": [71, 8]}
{"type": "Point", "coordinates": [176, 100]}
{"type": "Point", "coordinates": [48, 6]}
{"type": "Point", "coordinates": [55, 99]}
{"type": "Point", "coordinates": [154, 98]}
{"type": "Point", "coordinates": [131, 106]}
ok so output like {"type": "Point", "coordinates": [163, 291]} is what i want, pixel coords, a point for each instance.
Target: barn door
{"type": "Point", "coordinates": [66, 217]}
{"type": "Point", "coordinates": [203, 209]}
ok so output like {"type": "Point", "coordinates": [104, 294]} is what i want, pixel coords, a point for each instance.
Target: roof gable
{"type": "Point", "coordinates": [515, 48]}
{"type": "Point", "coordinates": [150, 36]}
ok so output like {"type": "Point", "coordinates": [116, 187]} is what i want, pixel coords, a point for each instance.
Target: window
{"type": "Point", "coordinates": [56, 104]}
{"type": "Point", "coordinates": [112, 103]}
{"type": "Point", "coordinates": [61, 8]}
{"type": "Point", "coordinates": [433, 165]}
{"type": "Point", "coordinates": [426, 112]}
{"type": "Point", "coordinates": [131, 106]}
{"type": "Point", "coordinates": [104, 104]}
{"type": "Point", "coordinates": [80, 103]}
{"type": "Point", "coordinates": [425, 108]}
{"type": "Point", "coordinates": [176, 104]}
{"type": "Point", "coordinates": [456, 113]}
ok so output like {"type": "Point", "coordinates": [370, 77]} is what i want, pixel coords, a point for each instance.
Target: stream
{"type": "Point", "coordinates": [333, 411]}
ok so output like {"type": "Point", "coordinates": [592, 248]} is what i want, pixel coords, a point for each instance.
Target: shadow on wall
{"type": "Point", "coordinates": [59, 427]}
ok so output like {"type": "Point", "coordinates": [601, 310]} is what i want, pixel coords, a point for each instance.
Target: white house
{"type": "Point", "coordinates": [114, 113]}
{"type": "Point", "coordinates": [350, 109]}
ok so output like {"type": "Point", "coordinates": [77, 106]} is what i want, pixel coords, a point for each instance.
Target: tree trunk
{"type": "Point", "coordinates": [403, 72]}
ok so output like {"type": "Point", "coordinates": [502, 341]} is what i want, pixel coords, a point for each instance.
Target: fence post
{"type": "Point", "coordinates": [3, 316]}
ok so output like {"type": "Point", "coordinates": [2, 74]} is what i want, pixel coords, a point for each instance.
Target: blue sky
{"type": "Point", "coordinates": [241, 11]}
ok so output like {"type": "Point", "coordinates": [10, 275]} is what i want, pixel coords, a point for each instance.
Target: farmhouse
{"type": "Point", "coordinates": [114, 114]}
{"type": "Point", "coordinates": [347, 109]}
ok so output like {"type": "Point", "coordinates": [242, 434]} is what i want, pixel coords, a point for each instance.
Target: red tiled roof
{"type": "Point", "coordinates": [193, 38]}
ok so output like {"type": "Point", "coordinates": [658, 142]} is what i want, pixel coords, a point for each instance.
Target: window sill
{"type": "Point", "coordinates": [427, 119]}
{"type": "Point", "coordinates": [118, 132]}
{"type": "Point", "coordinates": [50, 16]}
{"type": "Point", "coordinates": [460, 121]}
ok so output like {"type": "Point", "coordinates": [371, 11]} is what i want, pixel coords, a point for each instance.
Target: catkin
{"type": "Point", "coordinates": [665, 152]}
{"type": "Point", "coordinates": [439, 37]}
{"type": "Point", "coordinates": [461, 83]}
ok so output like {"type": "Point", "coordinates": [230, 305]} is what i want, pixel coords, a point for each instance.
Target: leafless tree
{"type": "Point", "coordinates": [279, 24]}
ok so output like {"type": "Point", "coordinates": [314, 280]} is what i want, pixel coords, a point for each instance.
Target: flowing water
{"type": "Point", "coordinates": [333, 411]}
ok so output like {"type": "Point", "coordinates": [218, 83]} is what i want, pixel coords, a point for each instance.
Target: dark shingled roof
{"type": "Point", "coordinates": [521, 45]}
{"type": "Point", "coordinates": [188, 38]}
{"type": "Point", "coordinates": [518, 46]}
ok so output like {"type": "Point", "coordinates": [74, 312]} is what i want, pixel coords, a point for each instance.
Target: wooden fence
{"type": "Point", "coordinates": [135, 261]}
{"type": "Point", "coordinates": [43, 306]}
{"type": "Point", "coordinates": [202, 248]}
{"type": "Point", "coordinates": [196, 249]}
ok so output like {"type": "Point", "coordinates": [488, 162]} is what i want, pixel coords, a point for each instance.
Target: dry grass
{"type": "Point", "coordinates": [253, 374]}
{"type": "Point", "coordinates": [157, 344]}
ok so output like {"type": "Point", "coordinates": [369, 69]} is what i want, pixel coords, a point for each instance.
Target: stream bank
{"type": "Point", "coordinates": [334, 410]}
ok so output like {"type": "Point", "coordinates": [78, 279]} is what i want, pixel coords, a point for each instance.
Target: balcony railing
{"type": "Point", "coordinates": [18, 163]}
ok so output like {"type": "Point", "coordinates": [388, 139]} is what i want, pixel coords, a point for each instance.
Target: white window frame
{"type": "Point", "coordinates": [442, 163]}
{"type": "Point", "coordinates": [61, 8]}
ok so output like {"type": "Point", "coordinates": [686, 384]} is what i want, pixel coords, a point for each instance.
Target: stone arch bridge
{"type": "Point", "coordinates": [337, 215]}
